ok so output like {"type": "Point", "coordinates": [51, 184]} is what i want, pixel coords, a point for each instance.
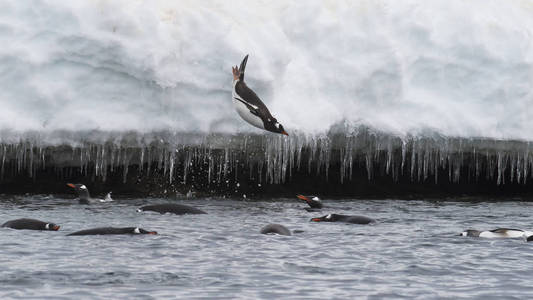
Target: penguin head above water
{"type": "Point", "coordinates": [78, 186]}
{"type": "Point", "coordinates": [326, 218]}
{"type": "Point", "coordinates": [82, 190]}
{"type": "Point", "coordinates": [51, 226]}
{"type": "Point", "coordinates": [138, 230]}
{"type": "Point", "coordinates": [313, 201]}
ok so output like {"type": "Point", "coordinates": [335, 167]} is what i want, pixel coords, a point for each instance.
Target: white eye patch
{"type": "Point", "coordinates": [47, 226]}
{"type": "Point", "coordinates": [136, 230]}
{"type": "Point", "coordinates": [83, 187]}
{"type": "Point", "coordinates": [316, 198]}
{"type": "Point", "coordinates": [328, 216]}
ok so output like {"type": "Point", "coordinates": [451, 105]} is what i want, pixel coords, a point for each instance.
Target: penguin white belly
{"type": "Point", "coordinates": [528, 236]}
{"type": "Point", "coordinates": [245, 113]}
{"type": "Point", "coordinates": [506, 234]}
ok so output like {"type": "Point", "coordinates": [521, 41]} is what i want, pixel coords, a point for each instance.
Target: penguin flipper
{"type": "Point", "coordinates": [253, 109]}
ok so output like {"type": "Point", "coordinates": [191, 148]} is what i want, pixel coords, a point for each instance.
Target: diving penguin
{"type": "Point", "coordinates": [248, 104]}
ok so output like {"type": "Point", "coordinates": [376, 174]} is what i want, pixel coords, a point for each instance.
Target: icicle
{"type": "Point", "coordinates": [171, 167]}
{"type": "Point", "coordinates": [4, 148]}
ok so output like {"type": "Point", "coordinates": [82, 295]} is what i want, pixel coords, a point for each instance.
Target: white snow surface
{"type": "Point", "coordinates": [458, 68]}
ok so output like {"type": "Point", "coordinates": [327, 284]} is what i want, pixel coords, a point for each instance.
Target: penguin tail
{"type": "Point", "coordinates": [242, 67]}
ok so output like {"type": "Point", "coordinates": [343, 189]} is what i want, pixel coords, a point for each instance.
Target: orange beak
{"type": "Point", "coordinates": [302, 197]}
{"type": "Point", "coordinates": [71, 185]}
{"type": "Point", "coordinates": [152, 232]}
{"type": "Point", "coordinates": [316, 220]}
{"type": "Point", "coordinates": [56, 228]}
{"type": "Point", "coordinates": [284, 132]}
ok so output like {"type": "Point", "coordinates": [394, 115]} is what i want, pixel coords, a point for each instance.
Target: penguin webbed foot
{"type": "Point", "coordinates": [236, 72]}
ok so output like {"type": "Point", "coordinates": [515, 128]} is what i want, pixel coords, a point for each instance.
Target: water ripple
{"type": "Point", "coordinates": [413, 252]}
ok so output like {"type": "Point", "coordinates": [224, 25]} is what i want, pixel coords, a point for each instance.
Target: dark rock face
{"type": "Point", "coordinates": [362, 164]}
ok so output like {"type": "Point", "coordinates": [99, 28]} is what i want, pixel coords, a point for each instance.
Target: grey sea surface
{"type": "Point", "coordinates": [412, 252]}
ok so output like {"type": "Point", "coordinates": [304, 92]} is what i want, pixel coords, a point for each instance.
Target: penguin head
{"type": "Point", "coordinates": [78, 186]}
{"type": "Point", "coordinates": [471, 232]}
{"type": "Point", "coordinates": [83, 191]}
{"type": "Point", "coordinates": [51, 226]}
{"type": "Point", "coordinates": [138, 230]}
{"type": "Point", "coordinates": [313, 201]}
{"type": "Point", "coordinates": [326, 218]}
{"type": "Point", "coordinates": [273, 125]}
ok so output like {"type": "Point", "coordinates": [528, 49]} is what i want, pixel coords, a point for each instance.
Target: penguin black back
{"type": "Point", "coordinates": [275, 228]}
{"type": "Point", "coordinates": [344, 218]}
{"type": "Point", "coordinates": [178, 209]}
{"type": "Point", "coordinates": [112, 230]}
{"type": "Point", "coordinates": [30, 224]}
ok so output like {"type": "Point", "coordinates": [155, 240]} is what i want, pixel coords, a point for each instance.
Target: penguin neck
{"type": "Point", "coordinates": [235, 81]}
{"type": "Point", "coordinates": [84, 195]}
{"type": "Point", "coordinates": [314, 204]}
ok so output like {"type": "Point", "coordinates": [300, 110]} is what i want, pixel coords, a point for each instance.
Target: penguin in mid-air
{"type": "Point", "coordinates": [248, 104]}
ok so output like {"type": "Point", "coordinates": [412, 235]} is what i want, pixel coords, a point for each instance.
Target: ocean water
{"type": "Point", "coordinates": [412, 252]}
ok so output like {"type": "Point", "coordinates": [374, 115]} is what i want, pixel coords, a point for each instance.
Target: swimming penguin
{"type": "Point", "coordinates": [30, 224]}
{"type": "Point", "coordinates": [84, 197]}
{"type": "Point", "coordinates": [248, 104]}
{"type": "Point", "coordinates": [113, 230]}
{"type": "Point", "coordinates": [313, 201]}
{"type": "Point", "coordinates": [177, 209]}
{"type": "Point", "coordinates": [275, 229]}
{"type": "Point", "coordinates": [499, 233]}
{"type": "Point", "coordinates": [343, 218]}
